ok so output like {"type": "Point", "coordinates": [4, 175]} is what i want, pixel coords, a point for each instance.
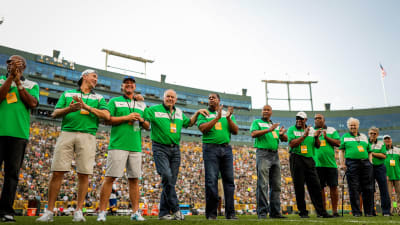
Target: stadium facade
{"type": "Point", "coordinates": [55, 75]}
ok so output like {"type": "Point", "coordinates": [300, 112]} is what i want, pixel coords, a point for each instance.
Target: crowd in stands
{"type": "Point", "coordinates": [34, 175]}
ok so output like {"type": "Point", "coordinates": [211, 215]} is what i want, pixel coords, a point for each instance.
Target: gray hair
{"type": "Point", "coordinates": [165, 92]}
{"type": "Point", "coordinates": [373, 128]}
{"type": "Point", "coordinates": [352, 119]}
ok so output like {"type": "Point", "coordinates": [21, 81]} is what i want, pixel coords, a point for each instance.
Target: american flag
{"type": "Point", "coordinates": [383, 72]}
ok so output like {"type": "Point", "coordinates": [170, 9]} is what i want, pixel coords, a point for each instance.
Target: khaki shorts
{"type": "Point", "coordinates": [84, 147]}
{"type": "Point", "coordinates": [118, 160]}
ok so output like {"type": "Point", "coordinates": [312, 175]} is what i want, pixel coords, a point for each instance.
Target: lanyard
{"type": "Point", "coordinates": [129, 105]}
{"type": "Point", "coordinates": [170, 116]}
{"type": "Point", "coordinates": [86, 97]}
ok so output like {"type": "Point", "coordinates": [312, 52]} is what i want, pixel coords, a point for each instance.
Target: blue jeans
{"type": "Point", "coordinates": [360, 180]}
{"type": "Point", "coordinates": [167, 160]}
{"type": "Point", "coordinates": [380, 177]}
{"type": "Point", "coordinates": [268, 174]}
{"type": "Point", "coordinates": [218, 158]}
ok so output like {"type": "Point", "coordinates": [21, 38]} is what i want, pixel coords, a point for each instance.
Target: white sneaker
{"type": "Point", "coordinates": [101, 217]}
{"type": "Point", "coordinates": [166, 217]}
{"type": "Point", "coordinates": [137, 217]}
{"type": "Point", "coordinates": [78, 217]}
{"type": "Point", "coordinates": [46, 217]}
{"type": "Point", "coordinates": [178, 215]}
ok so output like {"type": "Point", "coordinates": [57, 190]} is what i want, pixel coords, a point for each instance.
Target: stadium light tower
{"type": "Point", "coordinates": [288, 83]}
{"type": "Point", "coordinates": [131, 57]}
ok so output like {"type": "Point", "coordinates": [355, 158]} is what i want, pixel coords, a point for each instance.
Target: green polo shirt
{"type": "Point", "coordinates": [125, 136]}
{"type": "Point", "coordinates": [306, 148]}
{"type": "Point", "coordinates": [166, 127]}
{"type": "Point", "coordinates": [81, 120]}
{"type": "Point", "coordinates": [393, 169]}
{"type": "Point", "coordinates": [269, 140]}
{"type": "Point", "coordinates": [325, 154]}
{"type": "Point", "coordinates": [378, 147]}
{"type": "Point", "coordinates": [355, 147]}
{"type": "Point", "coordinates": [14, 114]}
{"type": "Point", "coordinates": [220, 133]}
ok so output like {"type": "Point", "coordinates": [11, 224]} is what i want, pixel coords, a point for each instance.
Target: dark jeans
{"type": "Point", "coordinates": [268, 175]}
{"type": "Point", "coordinates": [380, 177]}
{"type": "Point", "coordinates": [12, 151]}
{"type": "Point", "coordinates": [218, 158]}
{"type": "Point", "coordinates": [167, 160]}
{"type": "Point", "coordinates": [304, 172]}
{"type": "Point", "coordinates": [360, 180]}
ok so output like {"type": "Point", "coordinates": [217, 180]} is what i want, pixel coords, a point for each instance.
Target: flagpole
{"type": "Point", "coordinates": [384, 91]}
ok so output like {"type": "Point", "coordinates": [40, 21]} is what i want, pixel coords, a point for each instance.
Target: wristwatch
{"type": "Point", "coordinates": [20, 87]}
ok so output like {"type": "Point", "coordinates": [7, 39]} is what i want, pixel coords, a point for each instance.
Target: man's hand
{"type": "Point", "coordinates": [219, 112]}
{"type": "Point", "coordinates": [138, 97]}
{"type": "Point", "coordinates": [75, 106]}
{"type": "Point", "coordinates": [274, 126]}
{"type": "Point", "coordinates": [306, 131]}
{"type": "Point", "coordinates": [203, 112]}
{"type": "Point", "coordinates": [134, 116]}
{"type": "Point", "coordinates": [324, 133]}
{"type": "Point", "coordinates": [343, 167]}
{"type": "Point", "coordinates": [318, 132]}
{"type": "Point", "coordinates": [82, 103]}
{"type": "Point", "coordinates": [230, 112]}
{"type": "Point", "coordinates": [282, 131]}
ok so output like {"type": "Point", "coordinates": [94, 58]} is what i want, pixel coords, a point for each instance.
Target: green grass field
{"type": "Point", "coordinates": [292, 219]}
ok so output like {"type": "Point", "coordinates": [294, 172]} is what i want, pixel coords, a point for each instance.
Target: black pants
{"type": "Point", "coordinates": [360, 179]}
{"type": "Point", "coordinates": [12, 152]}
{"type": "Point", "coordinates": [304, 172]}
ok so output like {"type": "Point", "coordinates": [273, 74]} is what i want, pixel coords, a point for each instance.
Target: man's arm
{"type": "Point", "coordinates": [341, 159]}
{"type": "Point", "coordinates": [233, 127]}
{"type": "Point", "coordinates": [100, 113]}
{"type": "Point", "coordinates": [193, 119]}
{"type": "Point", "coordinates": [317, 142]}
{"type": "Point", "coordinates": [379, 155]}
{"type": "Point", "coordinates": [259, 133]}
{"type": "Point", "coordinates": [61, 112]}
{"type": "Point", "coordinates": [296, 142]}
{"type": "Point", "coordinates": [5, 88]}
{"type": "Point", "coordinates": [30, 101]}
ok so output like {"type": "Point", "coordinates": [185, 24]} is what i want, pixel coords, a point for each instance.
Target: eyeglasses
{"type": "Point", "coordinates": [372, 133]}
{"type": "Point", "coordinates": [299, 118]}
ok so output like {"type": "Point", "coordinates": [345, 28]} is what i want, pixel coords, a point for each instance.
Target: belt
{"type": "Point", "coordinates": [167, 145]}
{"type": "Point", "coordinates": [219, 145]}
{"type": "Point", "coordinates": [268, 150]}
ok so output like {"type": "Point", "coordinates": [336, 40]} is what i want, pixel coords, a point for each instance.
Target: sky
{"type": "Point", "coordinates": [225, 46]}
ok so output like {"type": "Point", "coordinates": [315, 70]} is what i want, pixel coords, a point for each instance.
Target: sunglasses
{"type": "Point", "coordinates": [372, 133]}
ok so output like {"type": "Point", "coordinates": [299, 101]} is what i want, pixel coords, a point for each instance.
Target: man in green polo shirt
{"type": "Point", "coordinates": [18, 96]}
{"type": "Point", "coordinates": [167, 122]}
{"type": "Point", "coordinates": [325, 161]}
{"type": "Point", "coordinates": [302, 141]}
{"type": "Point", "coordinates": [267, 136]}
{"type": "Point", "coordinates": [378, 149]}
{"type": "Point", "coordinates": [81, 110]}
{"type": "Point", "coordinates": [392, 164]}
{"type": "Point", "coordinates": [125, 147]}
{"type": "Point", "coordinates": [217, 128]}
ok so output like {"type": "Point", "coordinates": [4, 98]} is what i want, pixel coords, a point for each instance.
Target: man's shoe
{"type": "Point", "coordinates": [357, 215]}
{"type": "Point", "coordinates": [336, 215]}
{"type": "Point", "coordinates": [279, 216]}
{"type": "Point", "coordinates": [137, 217]}
{"type": "Point", "coordinates": [304, 216]}
{"type": "Point", "coordinates": [387, 215]}
{"type": "Point", "coordinates": [212, 218]}
{"type": "Point", "coordinates": [8, 219]}
{"type": "Point", "coordinates": [327, 216]}
{"type": "Point", "coordinates": [46, 217]}
{"type": "Point", "coordinates": [101, 217]}
{"type": "Point", "coordinates": [369, 215]}
{"type": "Point", "coordinates": [232, 217]}
{"type": "Point", "coordinates": [78, 216]}
{"type": "Point", "coordinates": [165, 217]}
{"type": "Point", "coordinates": [262, 216]}
{"type": "Point", "coordinates": [178, 215]}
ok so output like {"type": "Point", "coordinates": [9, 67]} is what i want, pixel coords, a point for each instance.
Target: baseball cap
{"type": "Point", "coordinates": [85, 73]}
{"type": "Point", "coordinates": [128, 78]}
{"type": "Point", "coordinates": [302, 115]}
{"type": "Point", "coordinates": [386, 136]}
